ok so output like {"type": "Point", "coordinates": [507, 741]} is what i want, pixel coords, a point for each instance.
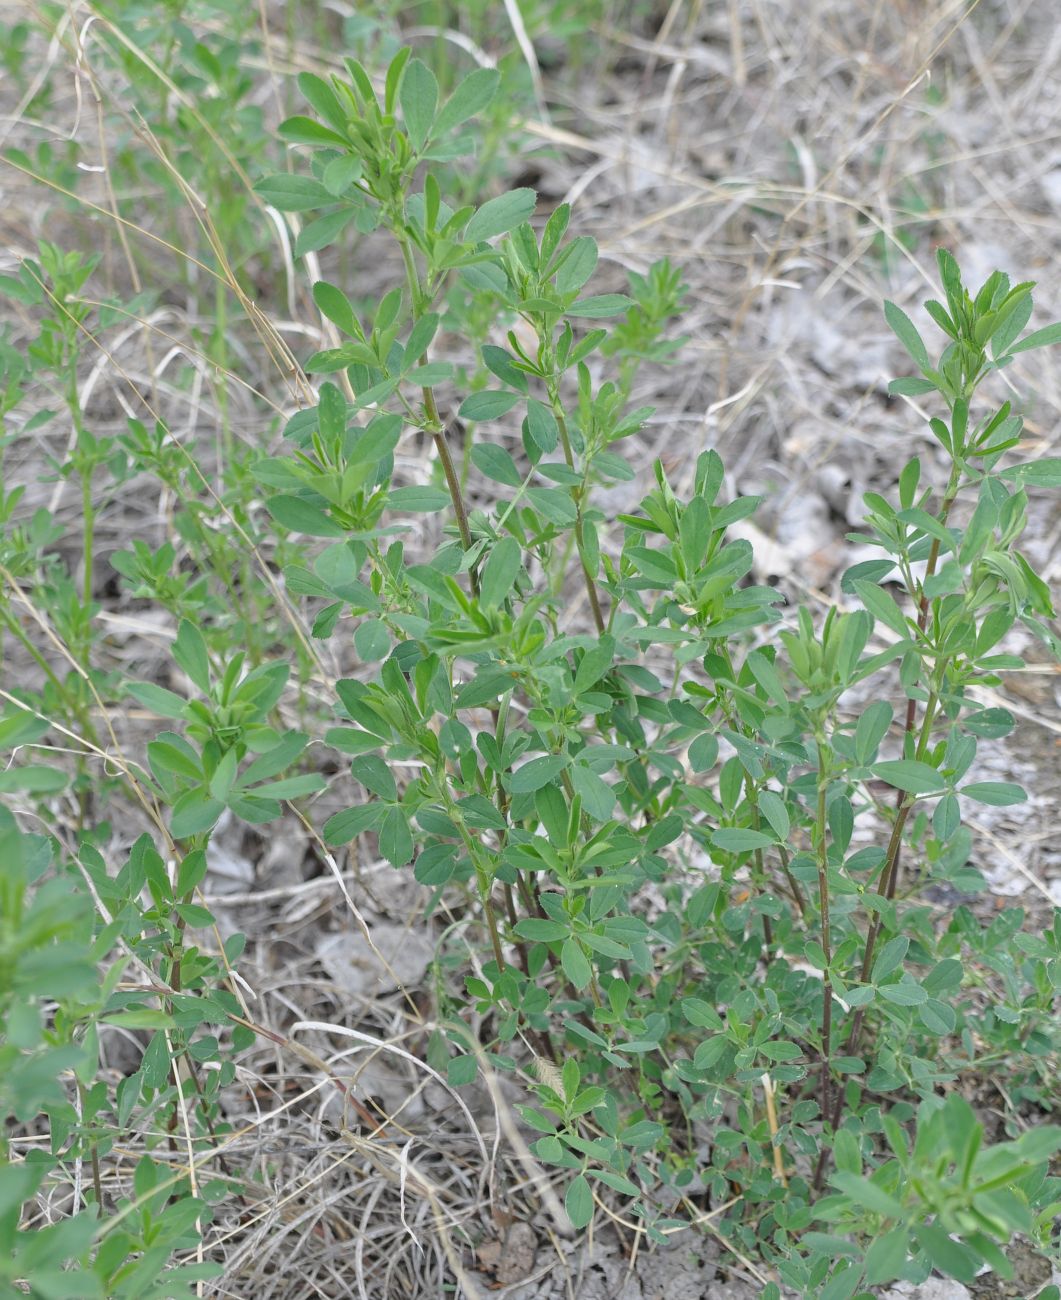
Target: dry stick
{"type": "Point", "coordinates": [311, 1058]}
{"type": "Point", "coordinates": [771, 1119]}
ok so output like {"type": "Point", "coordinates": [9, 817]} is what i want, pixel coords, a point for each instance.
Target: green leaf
{"type": "Point", "coordinates": [579, 261]}
{"type": "Point", "coordinates": [471, 96]}
{"type": "Point", "coordinates": [867, 1194]}
{"type": "Point", "coordinates": [423, 500]}
{"type": "Point", "coordinates": [193, 813]}
{"type": "Point", "coordinates": [194, 915]}
{"type": "Point", "coordinates": [418, 96]}
{"type": "Point", "coordinates": [305, 130]}
{"type": "Point", "coordinates": [224, 775]}
{"type": "Point", "coordinates": [323, 232]}
{"type": "Point", "coordinates": [781, 1051]}
{"type": "Point", "coordinates": [843, 1284]}
{"type": "Point", "coordinates": [937, 1017]}
{"type": "Point", "coordinates": [946, 818]}
{"type": "Point", "coordinates": [538, 772]}
{"type": "Point", "coordinates": [1038, 339]}
{"type": "Point", "coordinates": [871, 729]}
{"type": "Point", "coordinates": [299, 516]}
{"type": "Point", "coordinates": [598, 797]}
{"type": "Point", "coordinates": [34, 778]}
{"type": "Point", "coordinates": [461, 1071]}
{"type": "Point", "coordinates": [617, 1182]}
{"type": "Point", "coordinates": [703, 752]}
{"type": "Point", "coordinates": [160, 701]}
{"type": "Point", "coordinates": [498, 577]}
{"type": "Point", "coordinates": [541, 930]}
{"type": "Point", "coordinates": [1044, 473]}
{"type": "Point", "coordinates": [166, 757]}
{"type": "Point", "coordinates": [140, 1018]}
{"type": "Point", "coordinates": [344, 826]}
{"type": "Point", "coordinates": [339, 175]}
{"type": "Point", "coordinates": [575, 963]}
{"type": "Point", "coordinates": [292, 193]}
{"type": "Point", "coordinates": [772, 807]}
{"type": "Point", "coordinates": [395, 838]}
{"type": "Point", "coordinates": [420, 338]}
{"type": "Point", "coordinates": [542, 426]}
{"type": "Point", "coordinates": [335, 305]}
{"type": "Point", "coordinates": [948, 1256]}
{"type": "Point", "coordinates": [847, 1154]}
{"type": "Point", "coordinates": [320, 95]}
{"type": "Point", "coordinates": [909, 775]}
{"type": "Point", "coordinates": [710, 1052]}
{"type": "Point", "coordinates": [904, 994]}
{"type": "Point", "coordinates": [890, 957]}
{"type": "Point", "coordinates": [578, 1202]}
{"type": "Point", "coordinates": [333, 359]}
{"type": "Point", "coordinates": [911, 386]}
{"type": "Point", "coordinates": [599, 306]}
{"type": "Point", "coordinates": [701, 1013]}
{"type": "Point", "coordinates": [488, 405]}
{"type": "Point", "coordinates": [496, 463]}
{"type": "Point", "coordinates": [1001, 794]}
{"type": "Point", "coordinates": [372, 641]}
{"type": "Point", "coordinates": [887, 1256]}
{"type": "Point", "coordinates": [374, 775]}
{"type": "Point", "coordinates": [881, 605]}
{"type": "Point", "coordinates": [735, 839]}
{"type": "Point", "coordinates": [290, 787]}
{"type": "Point", "coordinates": [20, 727]}
{"type": "Point", "coordinates": [499, 215]}
{"type": "Point", "coordinates": [189, 650]}
{"type": "Point", "coordinates": [191, 872]}
{"type": "Point", "coordinates": [904, 329]}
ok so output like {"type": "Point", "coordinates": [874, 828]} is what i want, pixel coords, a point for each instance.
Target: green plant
{"type": "Point", "coordinates": [692, 832]}
{"type": "Point", "coordinates": [556, 813]}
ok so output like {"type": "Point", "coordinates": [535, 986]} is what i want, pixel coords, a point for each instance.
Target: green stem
{"type": "Point", "coordinates": [823, 903]}
{"type": "Point", "coordinates": [436, 427]}
{"type": "Point", "coordinates": [84, 464]}
{"type": "Point", "coordinates": [438, 434]}
{"type": "Point", "coordinates": [89, 520]}
{"type": "Point", "coordinates": [886, 887]}
{"type": "Point", "coordinates": [580, 541]}
{"type": "Point", "coordinates": [97, 1178]}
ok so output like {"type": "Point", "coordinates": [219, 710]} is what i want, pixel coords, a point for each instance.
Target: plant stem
{"type": "Point", "coordinates": [580, 540]}
{"type": "Point", "coordinates": [823, 903]}
{"type": "Point", "coordinates": [97, 1179]}
{"type": "Point", "coordinates": [84, 465]}
{"type": "Point", "coordinates": [437, 427]}
{"type": "Point", "coordinates": [438, 433]}
{"type": "Point", "coordinates": [89, 519]}
{"type": "Point", "coordinates": [886, 888]}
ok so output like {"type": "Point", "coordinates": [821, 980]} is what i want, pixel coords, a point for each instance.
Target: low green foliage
{"type": "Point", "coordinates": [692, 824]}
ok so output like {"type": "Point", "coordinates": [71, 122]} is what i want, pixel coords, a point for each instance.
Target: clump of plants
{"type": "Point", "coordinates": [696, 827]}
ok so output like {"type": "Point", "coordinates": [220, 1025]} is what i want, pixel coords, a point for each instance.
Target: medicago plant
{"type": "Point", "coordinates": [695, 828]}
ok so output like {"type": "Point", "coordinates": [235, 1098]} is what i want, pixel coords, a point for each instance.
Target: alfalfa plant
{"type": "Point", "coordinates": [692, 890]}
{"type": "Point", "coordinates": [698, 920]}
